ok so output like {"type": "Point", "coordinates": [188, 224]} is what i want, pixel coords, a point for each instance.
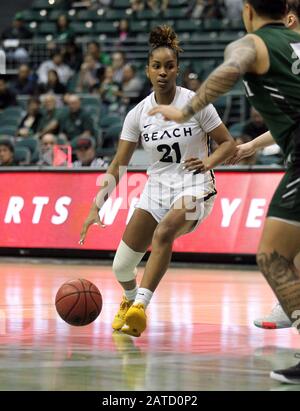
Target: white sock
{"type": "Point", "coordinates": [131, 294]}
{"type": "Point", "coordinates": [143, 296]}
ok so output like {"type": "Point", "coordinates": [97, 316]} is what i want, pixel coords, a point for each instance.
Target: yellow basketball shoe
{"type": "Point", "coordinates": [119, 319]}
{"type": "Point", "coordinates": [135, 320]}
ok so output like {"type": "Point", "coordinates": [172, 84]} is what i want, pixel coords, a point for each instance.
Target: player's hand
{"type": "Point", "coordinates": [92, 218]}
{"type": "Point", "coordinates": [242, 151]}
{"type": "Point", "coordinates": [169, 113]}
{"type": "Point", "coordinates": [196, 165]}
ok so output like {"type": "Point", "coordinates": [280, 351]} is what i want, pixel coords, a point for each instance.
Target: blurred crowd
{"type": "Point", "coordinates": [57, 113]}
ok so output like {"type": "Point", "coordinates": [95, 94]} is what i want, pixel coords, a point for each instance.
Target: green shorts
{"type": "Point", "coordinates": [285, 203]}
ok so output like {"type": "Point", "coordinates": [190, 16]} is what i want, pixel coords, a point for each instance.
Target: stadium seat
{"type": "Point", "coordinates": [116, 14]}
{"type": "Point", "coordinates": [121, 4]}
{"type": "Point", "coordinates": [113, 133]}
{"type": "Point", "coordinates": [29, 142]}
{"type": "Point", "coordinates": [13, 111]}
{"type": "Point", "coordinates": [8, 130]}
{"type": "Point", "coordinates": [22, 156]}
{"type": "Point", "coordinates": [205, 37]}
{"type": "Point", "coordinates": [109, 120]}
{"type": "Point", "coordinates": [87, 15]}
{"type": "Point", "coordinates": [83, 27]}
{"type": "Point", "coordinates": [90, 100]}
{"type": "Point", "coordinates": [213, 25]}
{"type": "Point", "coordinates": [175, 13]}
{"type": "Point", "coordinates": [136, 26]}
{"type": "Point", "coordinates": [54, 14]}
{"type": "Point", "coordinates": [105, 27]}
{"type": "Point", "coordinates": [72, 83]}
{"type": "Point", "coordinates": [188, 25]}
{"type": "Point", "coordinates": [47, 28]}
{"type": "Point", "coordinates": [178, 3]}
{"type": "Point", "coordinates": [33, 15]}
{"type": "Point", "coordinates": [45, 4]}
{"type": "Point", "coordinates": [145, 15]}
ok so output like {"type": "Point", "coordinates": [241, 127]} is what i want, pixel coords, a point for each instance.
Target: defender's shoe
{"type": "Point", "coordinates": [289, 375]}
{"type": "Point", "coordinates": [135, 320]}
{"type": "Point", "coordinates": [276, 319]}
{"type": "Point", "coordinates": [119, 319]}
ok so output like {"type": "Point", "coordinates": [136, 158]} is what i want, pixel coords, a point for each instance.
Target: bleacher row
{"type": "Point", "coordinates": [27, 149]}
{"type": "Point", "coordinates": [41, 19]}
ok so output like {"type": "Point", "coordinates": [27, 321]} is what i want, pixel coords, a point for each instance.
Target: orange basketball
{"type": "Point", "coordinates": [78, 302]}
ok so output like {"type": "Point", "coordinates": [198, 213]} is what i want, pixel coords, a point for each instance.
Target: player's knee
{"type": "Point", "coordinates": [164, 233]}
{"type": "Point", "coordinates": [125, 263]}
{"type": "Point", "coordinates": [124, 271]}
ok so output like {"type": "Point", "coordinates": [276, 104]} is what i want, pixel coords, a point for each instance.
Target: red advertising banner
{"type": "Point", "coordinates": [47, 209]}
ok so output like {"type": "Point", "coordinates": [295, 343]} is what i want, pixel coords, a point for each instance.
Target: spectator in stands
{"type": "Point", "coordinates": [137, 5]}
{"type": "Point", "coordinates": [131, 85]}
{"type": "Point", "coordinates": [17, 30]}
{"type": "Point", "coordinates": [123, 30]}
{"type": "Point", "coordinates": [72, 55]}
{"type": "Point", "coordinates": [205, 9]}
{"type": "Point", "coordinates": [94, 49]}
{"type": "Point", "coordinates": [85, 150]}
{"type": "Point", "coordinates": [88, 75]}
{"type": "Point", "coordinates": [64, 32]}
{"type": "Point", "coordinates": [56, 63]}
{"type": "Point", "coordinates": [7, 95]}
{"type": "Point", "coordinates": [212, 10]}
{"type": "Point", "coordinates": [234, 9]}
{"type": "Point", "coordinates": [53, 84]}
{"type": "Point", "coordinates": [73, 122]}
{"type": "Point", "coordinates": [118, 63]}
{"type": "Point", "coordinates": [95, 4]}
{"type": "Point", "coordinates": [26, 82]}
{"type": "Point", "coordinates": [7, 152]}
{"type": "Point", "coordinates": [254, 127]}
{"type": "Point", "coordinates": [29, 124]}
{"type": "Point", "coordinates": [193, 82]}
{"type": "Point", "coordinates": [196, 9]}
{"type": "Point", "coordinates": [49, 114]}
{"type": "Point", "coordinates": [47, 142]}
{"type": "Point", "coordinates": [158, 5]}
{"type": "Point", "coordinates": [109, 90]}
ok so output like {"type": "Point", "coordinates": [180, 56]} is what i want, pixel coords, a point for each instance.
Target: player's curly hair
{"type": "Point", "coordinates": [164, 36]}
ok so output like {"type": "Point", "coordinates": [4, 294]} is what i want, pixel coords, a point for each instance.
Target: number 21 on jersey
{"type": "Point", "coordinates": [168, 153]}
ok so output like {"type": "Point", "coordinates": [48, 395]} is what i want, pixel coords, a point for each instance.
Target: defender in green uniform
{"type": "Point", "coordinates": [268, 58]}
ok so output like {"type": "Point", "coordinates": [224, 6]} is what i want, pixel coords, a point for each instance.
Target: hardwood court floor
{"type": "Point", "coordinates": [199, 337]}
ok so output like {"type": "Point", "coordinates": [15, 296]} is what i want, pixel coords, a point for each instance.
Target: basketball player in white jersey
{"type": "Point", "coordinates": [175, 199]}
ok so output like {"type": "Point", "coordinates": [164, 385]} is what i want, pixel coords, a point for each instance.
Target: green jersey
{"type": "Point", "coordinates": [276, 94]}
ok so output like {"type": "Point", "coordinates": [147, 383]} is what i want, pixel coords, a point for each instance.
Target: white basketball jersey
{"type": "Point", "coordinates": [168, 143]}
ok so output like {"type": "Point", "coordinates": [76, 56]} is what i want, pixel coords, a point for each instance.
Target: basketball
{"type": "Point", "coordinates": [78, 302]}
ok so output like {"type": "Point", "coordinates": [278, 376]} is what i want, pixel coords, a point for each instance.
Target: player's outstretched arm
{"type": "Point", "coordinates": [108, 184]}
{"type": "Point", "coordinates": [249, 149]}
{"type": "Point", "coordinates": [240, 57]}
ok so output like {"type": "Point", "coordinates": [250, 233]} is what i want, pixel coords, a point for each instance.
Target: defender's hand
{"type": "Point", "coordinates": [169, 113]}
{"type": "Point", "coordinates": [242, 151]}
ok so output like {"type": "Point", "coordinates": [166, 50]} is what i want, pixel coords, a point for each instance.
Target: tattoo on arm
{"type": "Point", "coordinates": [239, 58]}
